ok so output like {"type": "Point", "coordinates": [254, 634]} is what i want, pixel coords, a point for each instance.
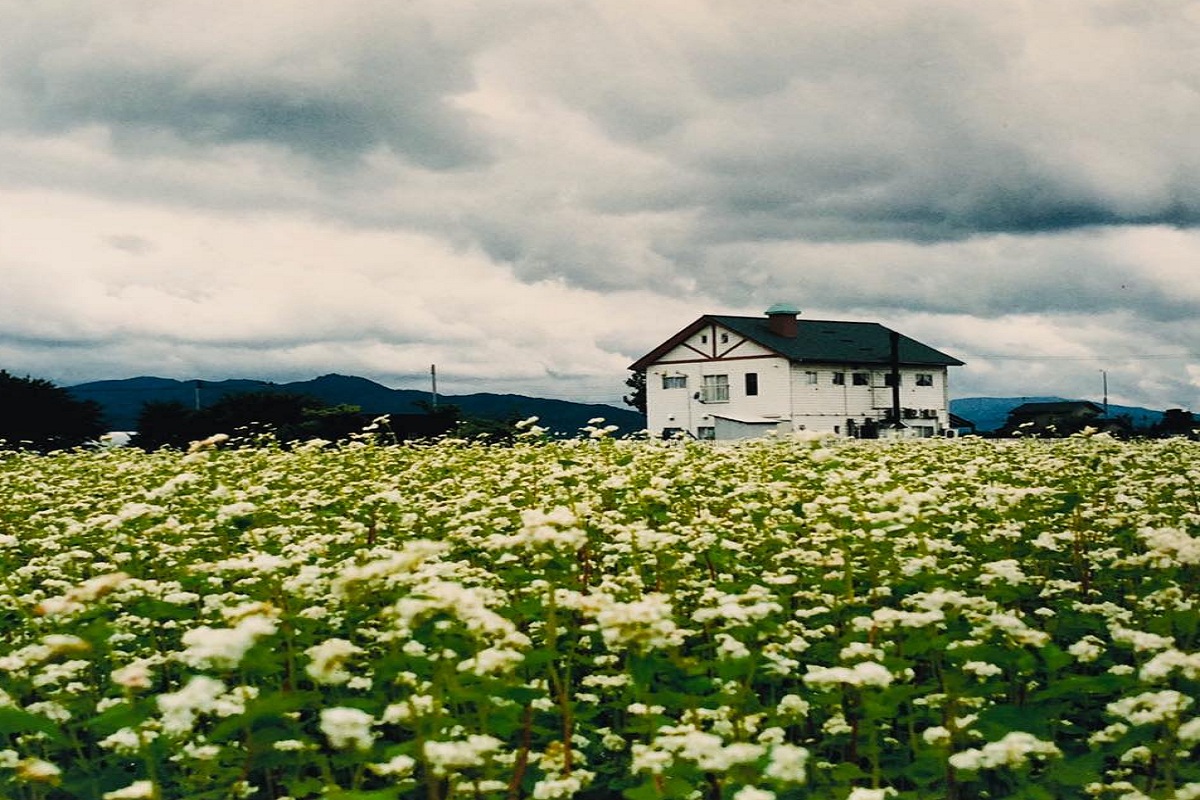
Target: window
{"type": "Point", "coordinates": [671, 433]}
{"type": "Point", "coordinates": [889, 379]}
{"type": "Point", "coordinates": [862, 378]}
{"type": "Point", "coordinates": [751, 384]}
{"type": "Point", "coordinates": [839, 379]}
{"type": "Point", "coordinates": [924, 379]}
{"type": "Point", "coordinates": [706, 432]}
{"type": "Point", "coordinates": [724, 338]}
{"type": "Point", "coordinates": [674, 381]}
{"type": "Point", "coordinates": [715, 389]}
{"type": "Point", "coordinates": [811, 377]}
{"type": "Point", "coordinates": [704, 338]}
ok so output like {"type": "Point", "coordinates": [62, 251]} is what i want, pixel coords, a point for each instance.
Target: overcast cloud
{"type": "Point", "coordinates": [532, 194]}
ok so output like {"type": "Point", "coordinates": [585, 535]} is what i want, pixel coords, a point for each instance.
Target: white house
{"type": "Point", "coordinates": [733, 377]}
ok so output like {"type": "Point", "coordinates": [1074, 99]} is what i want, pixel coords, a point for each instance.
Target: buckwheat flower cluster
{"type": "Point", "coordinates": [1013, 750]}
{"type": "Point", "coordinates": [224, 648]}
{"type": "Point", "coordinates": [327, 661]}
{"type": "Point", "coordinates": [347, 728]}
{"type": "Point", "coordinates": [1149, 708]}
{"type": "Point", "coordinates": [444, 757]}
{"type": "Point", "coordinates": [644, 624]}
{"type": "Point", "coordinates": [864, 673]}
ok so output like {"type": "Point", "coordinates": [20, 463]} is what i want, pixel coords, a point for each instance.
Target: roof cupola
{"type": "Point", "coordinates": [781, 319]}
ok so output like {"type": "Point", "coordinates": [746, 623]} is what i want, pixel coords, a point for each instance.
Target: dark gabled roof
{"type": "Point", "coordinates": [1056, 407]}
{"type": "Point", "coordinates": [960, 422]}
{"type": "Point", "coordinates": [817, 341]}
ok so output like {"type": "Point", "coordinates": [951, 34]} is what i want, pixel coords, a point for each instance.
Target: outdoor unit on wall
{"type": "Point", "coordinates": [929, 413]}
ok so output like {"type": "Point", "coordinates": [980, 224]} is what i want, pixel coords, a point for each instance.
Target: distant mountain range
{"type": "Point", "coordinates": [990, 413]}
{"type": "Point", "coordinates": [122, 400]}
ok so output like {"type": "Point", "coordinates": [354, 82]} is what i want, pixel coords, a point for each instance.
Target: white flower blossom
{"type": "Point", "coordinates": [347, 728]}
{"type": "Point", "coordinates": [1013, 750]}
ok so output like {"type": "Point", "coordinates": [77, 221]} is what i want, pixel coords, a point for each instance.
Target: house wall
{"type": "Point", "coordinates": [826, 406]}
{"type": "Point", "coordinates": [784, 391]}
{"type": "Point", "coordinates": [680, 408]}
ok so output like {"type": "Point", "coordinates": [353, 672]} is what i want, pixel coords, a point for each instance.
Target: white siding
{"type": "Point", "coordinates": [785, 392]}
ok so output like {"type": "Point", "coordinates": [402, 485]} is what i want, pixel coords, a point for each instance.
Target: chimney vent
{"type": "Point", "coordinates": [781, 319]}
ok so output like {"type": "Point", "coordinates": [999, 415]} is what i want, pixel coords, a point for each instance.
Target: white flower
{"type": "Point", "coordinates": [347, 727]}
{"type": "Point", "coordinates": [450, 755]}
{"type": "Point", "coordinates": [35, 770]}
{"type": "Point", "coordinates": [864, 673]}
{"type": "Point", "coordinates": [792, 706]}
{"type": "Point", "coordinates": [398, 766]}
{"type": "Point", "coordinates": [224, 648]}
{"type": "Point", "coordinates": [1160, 667]}
{"type": "Point", "coordinates": [647, 623]}
{"type": "Point", "coordinates": [1013, 750]}
{"type": "Point", "coordinates": [1087, 649]}
{"type": "Point", "coordinates": [1150, 707]}
{"type": "Point", "coordinates": [1008, 570]}
{"type": "Point", "coordinates": [787, 763]}
{"type": "Point", "coordinates": [937, 735]}
{"type": "Point", "coordinates": [863, 793]}
{"type": "Point", "coordinates": [179, 709]}
{"type": "Point", "coordinates": [1189, 732]}
{"type": "Point", "coordinates": [132, 676]}
{"type": "Point", "coordinates": [753, 793]}
{"type": "Point", "coordinates": [982, 669]}
{"type": "Point", "coordinates": [326, 660]}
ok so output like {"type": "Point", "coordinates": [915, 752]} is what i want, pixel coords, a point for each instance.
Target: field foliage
{"type": "Point", "coordinates": [598, 618]}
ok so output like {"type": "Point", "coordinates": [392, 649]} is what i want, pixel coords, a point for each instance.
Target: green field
{"type": "Point", "coordinates": [598, 618]}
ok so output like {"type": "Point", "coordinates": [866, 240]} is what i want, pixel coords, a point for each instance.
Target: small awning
{"type": "Point", "coordinates": [748, 420]}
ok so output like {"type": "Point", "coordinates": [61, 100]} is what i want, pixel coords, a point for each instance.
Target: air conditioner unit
{"type": "Point", "coordinates": [929, 413]}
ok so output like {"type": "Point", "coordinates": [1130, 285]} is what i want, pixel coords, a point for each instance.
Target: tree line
{"type": "Point", "coordinates": [37, 415]}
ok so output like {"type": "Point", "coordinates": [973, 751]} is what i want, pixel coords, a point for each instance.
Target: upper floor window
{"type": "Point", "coordinates": [715, 389]}
{"type": "Point", "coordinates": [751, 384]}
{"type": "Point", "coordinates": [811, 377]}
{"type": "Point", "coordinates": [862, 378]}
{"type": "Point", "coordinates": [724, 338]}
{"type": "Point", "coordinates": [924, 379]}
{"type": "Point", "coordinates": [839, 379]}
{"type": "Point", "coordinates": [674, 381]}
{"type": "Point", "coordinates": [704, 338]}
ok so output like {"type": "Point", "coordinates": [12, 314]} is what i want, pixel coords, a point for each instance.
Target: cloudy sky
{"type": "Point", "coordinates": [533, 193]}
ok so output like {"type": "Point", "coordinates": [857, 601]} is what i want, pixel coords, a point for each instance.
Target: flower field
{"type": "Point", "coordinates": [602, 619]}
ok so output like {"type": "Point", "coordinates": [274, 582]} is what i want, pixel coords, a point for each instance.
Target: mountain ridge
{"type": "Point", "coordinates": [121, 400]}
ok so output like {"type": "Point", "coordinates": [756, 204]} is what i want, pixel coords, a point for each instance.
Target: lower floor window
{"type": "Point", "coordinates": [706, 432]}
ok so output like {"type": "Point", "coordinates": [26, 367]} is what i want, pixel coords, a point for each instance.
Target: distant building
{"type": "Point", "coordinates": [733, 377]}
{"type": "Point", "coordinates": [1060, 418]}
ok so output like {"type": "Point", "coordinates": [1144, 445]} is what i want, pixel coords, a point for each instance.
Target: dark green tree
{"type": "Point", "coordinates": [37, 415]}
{"type": "Point", "coordinates": [636, 398]}
{"type": "Point", "coordinates": [168, 424]}
{"type": "Point", "coordinates": [286, 416]}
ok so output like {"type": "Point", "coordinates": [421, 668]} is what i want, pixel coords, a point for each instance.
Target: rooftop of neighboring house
{"type": "Point", "coordinates": [1059, 407]}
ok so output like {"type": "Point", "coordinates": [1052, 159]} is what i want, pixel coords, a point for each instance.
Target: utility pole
{"type": "Point", "coordinates": [1104, 376]}
{"type": "Point", "coordinates": [199, 384]}
{"type": "Point", "coordinates": [433, 385]}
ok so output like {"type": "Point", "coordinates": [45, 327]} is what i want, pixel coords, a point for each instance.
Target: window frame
{"type": "Point", "coordinates": [714, 388]}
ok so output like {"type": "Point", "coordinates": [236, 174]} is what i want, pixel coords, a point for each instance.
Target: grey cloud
{"type": "Point", "coordinates": [387, 88]}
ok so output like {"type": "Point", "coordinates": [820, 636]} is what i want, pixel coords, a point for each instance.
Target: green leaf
{"type": "Point", "coordinates": [15, 720]}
